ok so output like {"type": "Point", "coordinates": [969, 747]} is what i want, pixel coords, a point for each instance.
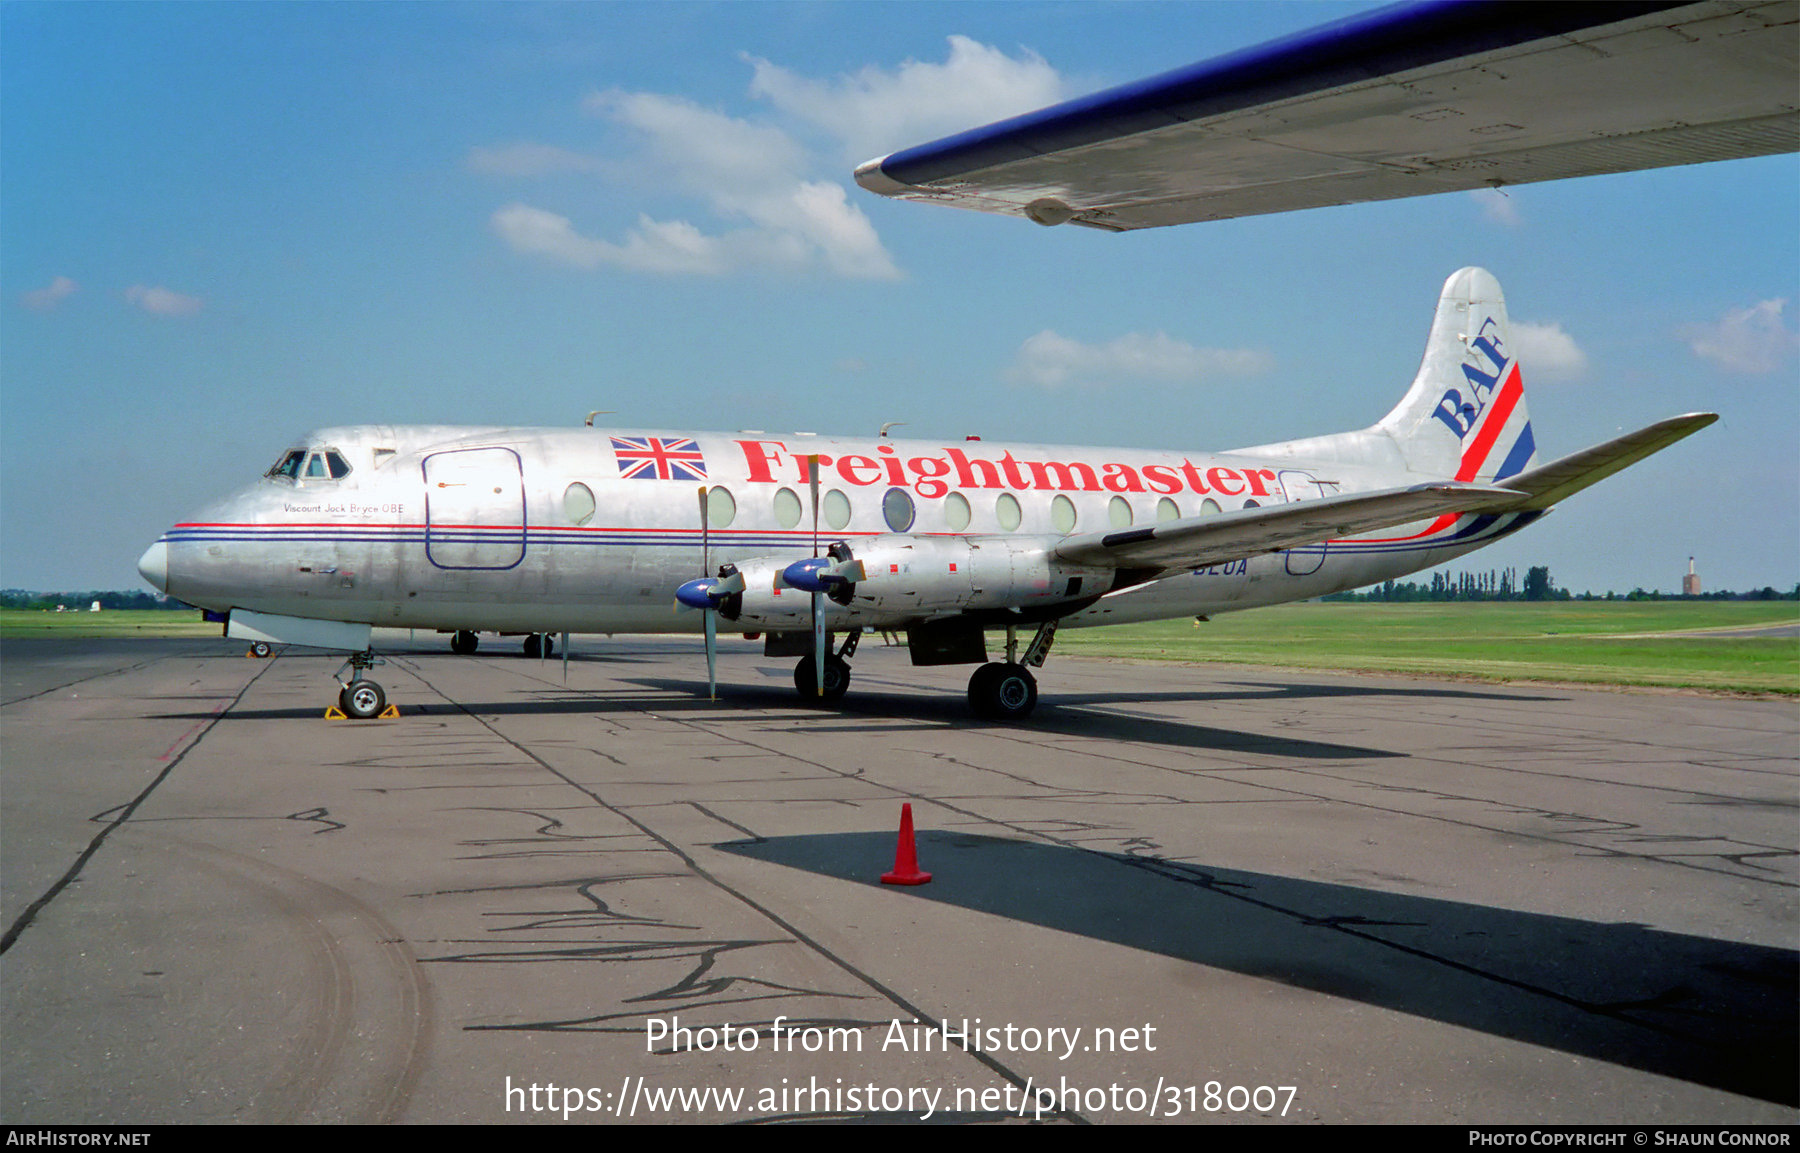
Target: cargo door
{"type": "Point", "coordinates": [1296, 485]}
{"type": "Point", "coordinates": [474, 509]}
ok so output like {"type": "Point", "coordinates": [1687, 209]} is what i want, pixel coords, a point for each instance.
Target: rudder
{"type": "Point", "coordinates": [1464, 416]}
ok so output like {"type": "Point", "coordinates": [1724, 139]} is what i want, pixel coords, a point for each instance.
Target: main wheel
{"type": "Point", "coordinates": [261, 650]}
{"type": "Point", "coordinates": [463, 643]}
{"type": "Point", "coordinates": [540, 645]}
{"type": "Point", "coordinates": [837, 678]}
{"type": "Point", "coordinates": [363, 700]}
{"type": "Point", "coordinates": [1003, 692]}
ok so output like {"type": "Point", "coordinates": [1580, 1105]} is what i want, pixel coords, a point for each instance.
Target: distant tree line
{"type": "Point", "coordinates": [1504, 585]}
{"type": "Point", "coordinates": [113, 600]}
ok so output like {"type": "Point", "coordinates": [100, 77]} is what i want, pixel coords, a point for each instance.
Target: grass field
{"type": "Point", "coordinates": [121, 623]}
{"type": "Point", "coordinates": [1618, 642]}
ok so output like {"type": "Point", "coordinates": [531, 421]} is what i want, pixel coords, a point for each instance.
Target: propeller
{"type": "Point", "coordinates": [705, 594]}
{"type": "Point", "coordinates": [818, 620]}
{"type": "Point", "coordinates": [709, 614]}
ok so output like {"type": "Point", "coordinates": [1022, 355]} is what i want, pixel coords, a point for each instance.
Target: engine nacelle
{"type": "Point", "coordinates": [906, 578]}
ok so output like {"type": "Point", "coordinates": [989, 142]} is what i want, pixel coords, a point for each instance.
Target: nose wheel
{"type": "Point", "coordinates": [360, 698]}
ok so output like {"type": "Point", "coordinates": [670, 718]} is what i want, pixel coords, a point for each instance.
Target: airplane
{"type": "Point", "coordinates": [810, 541]}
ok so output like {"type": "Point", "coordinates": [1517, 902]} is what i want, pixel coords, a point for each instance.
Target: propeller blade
{"type": "Point", "coordinates": [710, 614]}
{"type": "Point", "coordinates": [818, 644]}
{"type": "Point", "coordinates": [705, 551]}
{"type": "Point", "coordinates": [712, 654]}
{"type": "Point", "coordinates": [812, 480]}
{"type": "Point", "coordinates": [818, 620]}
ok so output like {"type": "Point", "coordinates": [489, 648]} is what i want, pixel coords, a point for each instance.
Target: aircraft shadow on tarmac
{"type": "Point", "coordinates": [1065, 714]}
{"type": "Point", "coordinates": [1711, 1012]}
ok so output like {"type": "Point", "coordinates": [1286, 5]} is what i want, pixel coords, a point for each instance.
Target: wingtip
{"type": "Point", "coordinates": [871, 177]}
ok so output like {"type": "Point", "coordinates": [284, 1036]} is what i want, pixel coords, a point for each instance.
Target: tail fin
{"type": "Point", "coordinates": [1464, 417]}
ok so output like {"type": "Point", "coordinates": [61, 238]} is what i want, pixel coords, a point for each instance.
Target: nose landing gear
{"type": "Point", "coordinates": [358, 697]}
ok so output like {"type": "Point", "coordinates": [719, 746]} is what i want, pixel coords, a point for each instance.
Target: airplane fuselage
{"type": "Point", "coordinates": [585, 530]}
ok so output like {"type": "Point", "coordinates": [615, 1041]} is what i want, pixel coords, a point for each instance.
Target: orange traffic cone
{"type": "Point", "coordinates": [906, 856]}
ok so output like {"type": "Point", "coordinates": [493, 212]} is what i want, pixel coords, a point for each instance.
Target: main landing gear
{"type": "Point", "coordinates": [999, 691]}
{"type": "Point", "coordinates": [1003, 691]}
{"type": "Point", "coordinates": [1006, 690]}
{"type": "Point", "coordinates": [837, 672]}
{"type": "Point", "coordinates": [464, 643]}
{"type": "Point", "coordinates": [360, 698]}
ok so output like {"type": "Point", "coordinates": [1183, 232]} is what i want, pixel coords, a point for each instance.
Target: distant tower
{"type": "Point", "coordinates": [1690, 584]}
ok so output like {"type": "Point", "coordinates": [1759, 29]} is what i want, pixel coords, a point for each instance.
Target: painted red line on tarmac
{"type": "Point", "coordinates": [184, 738]}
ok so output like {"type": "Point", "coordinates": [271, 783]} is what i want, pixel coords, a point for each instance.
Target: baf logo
{"type": "Point", "coordinates": [1458, 412]}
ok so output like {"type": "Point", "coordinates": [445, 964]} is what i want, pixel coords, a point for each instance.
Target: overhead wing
{"type": "Point", "coordinates": [1405, 101]}
{"type": "Point", "coordinates": [1194, 541]}
{"type": "Point", "coordinates": [1547, 484]}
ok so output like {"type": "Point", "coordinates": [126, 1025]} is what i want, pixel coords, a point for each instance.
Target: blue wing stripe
{"type": "Point", "coordinates": [1347, 51]}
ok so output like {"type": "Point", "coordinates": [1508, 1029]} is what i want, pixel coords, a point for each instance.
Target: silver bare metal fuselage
{"type": "Point", "coordinates": [585, 530]}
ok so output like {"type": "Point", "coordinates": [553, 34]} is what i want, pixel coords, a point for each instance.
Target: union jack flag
{"type": "Point", "coordinates": [659, 458]}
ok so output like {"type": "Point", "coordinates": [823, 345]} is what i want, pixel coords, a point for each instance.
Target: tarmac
{"type": "Point", "coordinates": [584, 893]}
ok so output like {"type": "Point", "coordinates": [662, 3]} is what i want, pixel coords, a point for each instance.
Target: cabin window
{"type": "Point", "coordinates": [1118, 512]}
{"type": "Point", "coordinates": [721, 507]}
{"type": "Point", "coordinates": [578, 503]}
{"type": "Point", "coordinates": [1006, 510]}
{"type": "Point", "coordinates": [1209, 507]}
{"type": "Point", "coordinates": [956, 512]}
{"type": "Point", "coordinates": [837, 510]}
{"type": "Point", "coordinates": [1062, 514]}
{"type": "Point", "coordinates": [787, 507]}
{"type": "Point", "coordinates": [897, 509]}
{"type": "Point", "coordinates": [1252, 504]}
{"type": "Point", "coordinates": [1167, 509]}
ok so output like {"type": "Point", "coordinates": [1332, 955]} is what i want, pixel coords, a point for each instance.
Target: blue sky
{"type": "Point", "coordinates": [223, 225]}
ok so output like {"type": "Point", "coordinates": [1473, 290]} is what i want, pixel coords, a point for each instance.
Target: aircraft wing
{"type": "Point", "coordinates": [1404, 101]}
{"type": "Point", "coordinates": [1547, 484]}
{"type": "Point", "coordinates": [1202, 540]}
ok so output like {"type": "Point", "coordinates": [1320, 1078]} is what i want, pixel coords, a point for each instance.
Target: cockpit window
{"type": "Point", "coordinates": [289, 464]}
{"type": "Point", "coordinates": [321, 464]}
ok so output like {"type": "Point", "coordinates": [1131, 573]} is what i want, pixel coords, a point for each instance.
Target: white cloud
{"type": "Point", "coordinates": [701, 148]}
{"type": "Point", "coordinates": [1498, 207]}
{"type": "Point", "coordinates": [160, 301]}
{"type": "Point", "coordinates": [877, 110]}
{"type": "Point", "coordinates": [1546, 352]}
{"type": "Point", "coordinates": [47, 298]}
{"type": "Point", "coordinates": [1051, 360]}
{"type": "Point", "coordinates": [653, 246]}
{"type": "Point", "coordinates": [763, 199]}
{"type": "Point", "coordinates": [526, 159]}
{"type": "Point", "coordinates": [747, 173]}
{"type": "Point", "coordinates": [1752, 340]}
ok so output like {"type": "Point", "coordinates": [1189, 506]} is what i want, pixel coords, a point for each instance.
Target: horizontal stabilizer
{"type": "Point", "coordinates": [1191, 542]}
{"type": "Point", "coordinates": [1553, 482]}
